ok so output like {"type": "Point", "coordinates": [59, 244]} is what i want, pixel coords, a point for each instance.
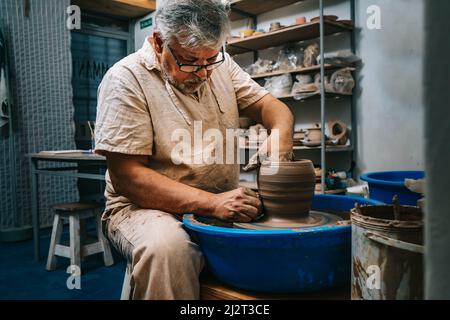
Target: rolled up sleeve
{"type": "Point", "coordinates": [123, 123]}
{"type": "Point", "coordinates": [247, 90]}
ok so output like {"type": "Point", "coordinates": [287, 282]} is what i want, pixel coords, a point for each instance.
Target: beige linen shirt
{"type": "Point", "coordinates": [140, 113]}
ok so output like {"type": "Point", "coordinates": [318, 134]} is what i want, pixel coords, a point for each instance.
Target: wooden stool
{"type": "Point", "coordinates": [77, 213]}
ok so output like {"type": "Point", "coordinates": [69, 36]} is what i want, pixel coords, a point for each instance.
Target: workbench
{"type": "Point", "coordinates": [84, 159]}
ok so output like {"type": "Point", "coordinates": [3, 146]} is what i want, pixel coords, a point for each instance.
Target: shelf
{"type": "Point", "coordinates": [299, 70]}
{"type": "Point", "coordinates": [120, 8]}
{"type": "Point", "coordinates": [241, 9]}
{"type": "Point", "coordinates": [276, 38]}
{"type": "Point", "coordinates": [328, 148]}
{"type": "Point", "coordinates": [312, 69]}
{"type": "Point", "coordinates": [328, 95]}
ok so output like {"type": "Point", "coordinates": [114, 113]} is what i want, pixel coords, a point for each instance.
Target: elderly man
{"type": "Point", "coordinates": [180, 78]}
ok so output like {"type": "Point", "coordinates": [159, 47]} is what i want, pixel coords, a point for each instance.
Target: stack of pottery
{"type": "Point", "coordinates": [286, 189]}
{"type": "Point", "coordinates": [298, 137]}
{"type": "Point", "coordinates": [304, 84]}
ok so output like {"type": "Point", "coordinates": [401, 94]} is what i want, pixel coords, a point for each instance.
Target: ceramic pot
{"type": "Point", "coordinates": [300, 20]}
{"type": "Point", "coordinates": [286, 195]}
{"type": "Point", "coordinates": [314, 135]}
{"type": "Point", "coordinates": [338, 132]}
{"type": "Point", "coordinates": [275, 26]}
{"type": "Point", "coordinates": [299, 135]}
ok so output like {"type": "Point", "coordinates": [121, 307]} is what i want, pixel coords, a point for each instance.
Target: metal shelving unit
{"type": "Point", "coordinates": [250, 9]}
{"type": "Point", "coordinates": [327, 149]}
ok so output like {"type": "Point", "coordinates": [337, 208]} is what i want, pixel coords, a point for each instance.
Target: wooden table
{"type": "Point", "coordinates": [213, 289]}
{"type": "Point", "coordinates": [87, 159]}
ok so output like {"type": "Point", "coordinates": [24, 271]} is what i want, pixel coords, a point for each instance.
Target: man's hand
{"type": "Point", "coordinates": [265, 151]}
{"type": "Point", "coordinates": [274, 115]}
{"type": "Point", "coordinates": [239, 205]}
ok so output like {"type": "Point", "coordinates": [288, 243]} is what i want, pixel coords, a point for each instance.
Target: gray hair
{"type": "Point", "coordinates": [193, 23]}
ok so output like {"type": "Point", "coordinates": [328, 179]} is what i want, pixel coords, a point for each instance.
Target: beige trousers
{"type": "Point", "coordinates": [166, 263]}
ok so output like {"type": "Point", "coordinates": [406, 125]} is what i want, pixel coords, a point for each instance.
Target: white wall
{"type": "Point", "coordinates": [390, 125]}
{"type": "Point", "coordinates": [141, 34]}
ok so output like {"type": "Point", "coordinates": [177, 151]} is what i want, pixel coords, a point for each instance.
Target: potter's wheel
{"type": "Point", "coordinates": [315, 219]}
{"type": "Point", "coordinates": [280, 259]}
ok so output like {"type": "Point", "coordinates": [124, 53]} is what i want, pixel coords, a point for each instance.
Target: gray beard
{"type": "Point", "coordinates": [187, 87]}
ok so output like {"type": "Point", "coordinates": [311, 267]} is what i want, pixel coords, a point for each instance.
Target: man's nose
{"type": "Point", "coordinates": [202, 73]}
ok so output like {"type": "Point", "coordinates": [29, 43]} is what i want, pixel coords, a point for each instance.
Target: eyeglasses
{"type": "Point", "coordinates": [193, 68]}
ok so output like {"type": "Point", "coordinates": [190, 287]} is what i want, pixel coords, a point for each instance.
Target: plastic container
{"type": "Point", "coordinates": [281, 261]}
{"type": "Point", "coordinates": [383, 186]}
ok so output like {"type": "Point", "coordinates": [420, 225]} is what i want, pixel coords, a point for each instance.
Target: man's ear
{"type": "Point", "coordinates": [157, 43]}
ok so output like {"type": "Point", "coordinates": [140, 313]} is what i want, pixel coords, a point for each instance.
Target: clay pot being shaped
{"type": "Point", "coordinates": [286, 195]}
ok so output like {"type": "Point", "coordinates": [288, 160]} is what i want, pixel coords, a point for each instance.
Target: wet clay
{"type": "Point", "coordinates": [288, 194]}
{"type": "Point", "coordinates": [314, 219]}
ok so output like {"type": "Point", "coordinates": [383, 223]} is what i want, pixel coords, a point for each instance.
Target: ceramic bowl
{"type": "Point", "coordinates": [246, 33]}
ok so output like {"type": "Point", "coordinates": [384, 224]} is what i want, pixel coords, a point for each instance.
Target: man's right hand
{"type": "Point", "coordinates": [239, 205]}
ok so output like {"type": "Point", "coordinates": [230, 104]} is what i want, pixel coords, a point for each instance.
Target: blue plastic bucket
{"type": "Point", "coordinates": [383, 186]}
{"type": "Point", "coordinates": [281, 261]}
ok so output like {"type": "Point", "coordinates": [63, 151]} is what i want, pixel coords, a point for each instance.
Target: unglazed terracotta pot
{"type": "Point", "coordinates": [300, 20]}
{"type": "Point", "coordinates": [314, 134]}
{"type": "Point", "coordinates": [286, 195]}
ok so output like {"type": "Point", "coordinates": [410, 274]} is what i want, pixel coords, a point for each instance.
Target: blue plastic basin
{"type": "Point", "coordinates": [281, 260]}
{"type": "Point", "coordinates": [383, 186]}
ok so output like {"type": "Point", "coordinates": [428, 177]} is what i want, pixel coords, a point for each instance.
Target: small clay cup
{"type": "Point", "coordinates": [275, 26]}
{"type": "Point", "coordinates": [300, 20]}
